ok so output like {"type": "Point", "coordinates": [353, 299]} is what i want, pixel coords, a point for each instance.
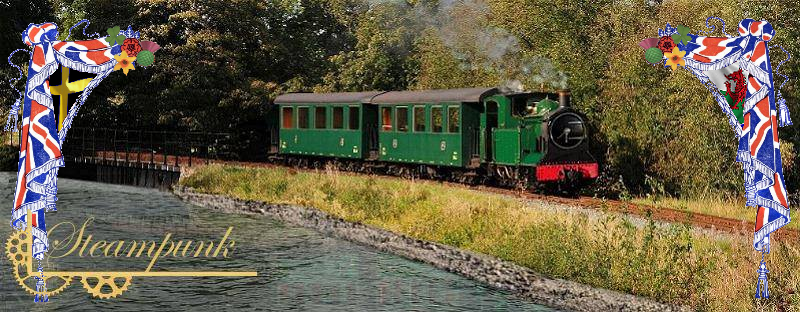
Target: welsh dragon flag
{"type": "Point", "coordinates": [737, 71]}
{"type": "Point", "coordinates": [730, 82]}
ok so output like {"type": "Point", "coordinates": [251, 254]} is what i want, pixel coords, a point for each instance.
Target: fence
{"type": "Point", "coordinates": [154, 147]}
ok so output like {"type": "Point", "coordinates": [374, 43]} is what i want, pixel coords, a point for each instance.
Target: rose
{"type": "Point", "coordinates": [665, 44]}
{"type": "Point", "coordinates": [132, 46]}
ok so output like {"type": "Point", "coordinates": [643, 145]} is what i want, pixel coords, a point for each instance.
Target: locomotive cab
{"type": "Point", "coordinates": [512, 129]}
{"type": "Point", "coordinates": [537, 130]}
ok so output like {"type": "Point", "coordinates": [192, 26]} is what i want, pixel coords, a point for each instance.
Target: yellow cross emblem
{"type": "Point", "coordinates": [64, 90]}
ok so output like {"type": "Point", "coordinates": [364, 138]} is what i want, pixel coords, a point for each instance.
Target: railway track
{"type": "Point", "coordinates": [663, 214]}
{"type": "Point", "coordinates": [699, 220]}
{"type": "Point", "coordinates": [670, 215]}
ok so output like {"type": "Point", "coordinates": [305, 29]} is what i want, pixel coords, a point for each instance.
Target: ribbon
{"type": "Point", "coordinates": [95, 35]}
{"type": "Point", "coordinates": [39, 194]}
{"type": "Point", "coordinates": [13, 114]}
{"type": "Point", "coordinates": [784, 119]}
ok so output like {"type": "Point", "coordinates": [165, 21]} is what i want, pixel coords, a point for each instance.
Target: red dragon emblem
{"type": "Point", "coordinates": [740, 89]}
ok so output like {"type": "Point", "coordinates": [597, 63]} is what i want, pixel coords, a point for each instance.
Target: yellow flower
{"type": "Point", "coordinates": [675, 58]}
{"type": "Point", "coordinates": [124, 62]}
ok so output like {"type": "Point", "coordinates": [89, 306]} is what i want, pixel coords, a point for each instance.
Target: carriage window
{"type": "Point", "coordinates": [419, 118]}
{"type": "Point", "coordinates": [402, 119]}
{"type": "Point", "coordinates": [354, 117]}
{"type": "Point", "coordinates": [302, 117]}
{"type": "Point", "coordinates": [319, 117]}
{"type": "Point", "coordinates": [288, 117]}
{"type": "Point", "coordinates": [386, 114]}
{"type": "Point", "coordinates": [338, 117]}
{"type": "Point", "coordinates": [436, 119]}
{"type": "Point", "coordinates": [452, 118]}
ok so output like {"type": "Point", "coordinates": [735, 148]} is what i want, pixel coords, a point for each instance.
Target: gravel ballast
{"type": "Point", "coordinates": [504, 275]}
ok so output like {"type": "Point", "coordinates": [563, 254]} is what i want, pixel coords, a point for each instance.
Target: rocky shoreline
{"type": "Point", "coordinates": [556, 293]}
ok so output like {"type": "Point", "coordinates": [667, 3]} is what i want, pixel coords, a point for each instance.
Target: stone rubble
{"type": "Point", "coordinates": [504, 275]}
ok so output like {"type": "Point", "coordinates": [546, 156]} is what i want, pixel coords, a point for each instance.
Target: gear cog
{"type": "Point", "coordinates": [28, 282]}
{"type": "Point", "coordinates": [114, 288]}
{"type": "Point", "coordinates": [18, 251]}
{"type": "Point", "coordinates": [18, 248]}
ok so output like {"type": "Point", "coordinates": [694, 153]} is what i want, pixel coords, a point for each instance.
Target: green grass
{"type": "Point", "coordinates": [669, 264]}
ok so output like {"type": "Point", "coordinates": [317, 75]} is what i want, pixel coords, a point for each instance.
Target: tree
{"type": "Point", "coordinates": [14, 19]}
{"type": "Point", "coordinates": [220, 62]}
{"type": "Point", "coordinates": [382, 58]}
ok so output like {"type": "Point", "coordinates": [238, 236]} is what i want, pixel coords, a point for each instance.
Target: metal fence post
{"type": "Point", "coordinates": [114, 145]}
{"type": "Point", "coordinates": [164, 147]}
{"type": "Point", "coordinates": [152, 151]}
{"type": "Point", "coordinates": [139, 147]}
{"type": "Point", "coordinates": [83, 142]}
{"type": "Point", "coordinates": [177, 149]}
{"type": "Point", "coordinates": [94, 145]}
{"type": "Point", "coordinates": [127, 137]}
{"type": "Point", "coordinates": [188, 135]}
{"type": "Point", "coordinates": [104, 142]}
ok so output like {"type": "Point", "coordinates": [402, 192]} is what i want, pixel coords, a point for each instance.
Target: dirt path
{"type": "Point", "coordinates": [699, 220]}
{"type": "Point", "coordinates": [669, 215]}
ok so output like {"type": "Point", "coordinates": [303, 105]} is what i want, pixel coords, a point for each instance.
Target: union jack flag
{"type": "Point", "coordinates": [759, 150]}
{"type": "Point", "coordinates": [40, 141]}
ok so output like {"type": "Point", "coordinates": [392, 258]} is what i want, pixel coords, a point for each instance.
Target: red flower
{"type": "Point", "coordinates": [131, 45]}
{"type": "Point", "coordinates": [665, 44]}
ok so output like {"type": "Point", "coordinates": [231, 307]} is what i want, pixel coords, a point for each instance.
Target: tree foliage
{"type": "Point", "coordinates": [14, 19]}
{"type": "Point", "coordinates": [654, 130]}
{"type": "Point", "coordinates": [221, 61]}
{"type": "Point", "coordinates": [381, 59]}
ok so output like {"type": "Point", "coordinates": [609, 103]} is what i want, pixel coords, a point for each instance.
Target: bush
{"type": "Point", "coordinates": [9, 157]}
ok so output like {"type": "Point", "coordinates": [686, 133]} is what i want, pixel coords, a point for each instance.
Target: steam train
{"type": "Point", "coordinates": [475, 135]}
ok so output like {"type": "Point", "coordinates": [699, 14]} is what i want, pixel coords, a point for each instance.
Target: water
{"type": "Point", "coordinates": [298, 269]}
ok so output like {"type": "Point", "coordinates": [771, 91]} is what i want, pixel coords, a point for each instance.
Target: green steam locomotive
{"type": "Point", "coordinates": [473, 135]}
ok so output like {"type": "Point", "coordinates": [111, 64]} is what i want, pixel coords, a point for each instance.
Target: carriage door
{"type": "Point", "coordinates": [370, 124]}
{"type": "Point", "coordinates": [491, 124]}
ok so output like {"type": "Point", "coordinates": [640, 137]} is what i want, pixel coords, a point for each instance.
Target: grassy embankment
{"type": "Point", "coordinates": [668, 264]}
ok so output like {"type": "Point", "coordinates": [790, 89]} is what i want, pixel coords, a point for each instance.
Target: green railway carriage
{"type": "Point", "coordinates": [506, 136]}
{"type": "Point", "coordinates": [331, 125]}
{"type": "Point", "coordinates": [438, 127]}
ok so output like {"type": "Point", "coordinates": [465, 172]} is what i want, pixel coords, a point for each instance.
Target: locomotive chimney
{"type": "Point", "coordinates": [563, 98]}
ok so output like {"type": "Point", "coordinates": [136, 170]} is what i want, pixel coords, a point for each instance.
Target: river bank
{"type": "Point", "coordinates": [672, 264]}
{"type": "Point", "coordinates": [497, 273]}
{"type": "Point", "coordinates": [299, 268]}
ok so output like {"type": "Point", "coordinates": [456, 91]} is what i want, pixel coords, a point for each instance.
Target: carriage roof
{"type": "Point", "coordinates": [464, 95]}
{"type": "Point", "coordinates": [469, 95]}
{"type": "Point", "coordinates": [328, 98]}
